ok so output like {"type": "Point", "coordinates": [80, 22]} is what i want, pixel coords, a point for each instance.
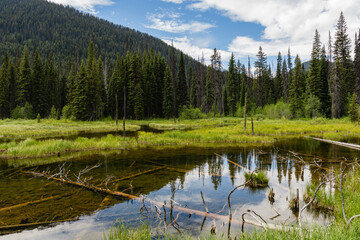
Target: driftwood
{"type": "Point", "coordinates": [174, 207]}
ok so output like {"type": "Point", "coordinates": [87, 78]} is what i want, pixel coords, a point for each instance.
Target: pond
{"type": "Point", "coordinates": [41, 208]}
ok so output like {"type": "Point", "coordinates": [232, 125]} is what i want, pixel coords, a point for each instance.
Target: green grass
{"type": "Point", "coordinates": [257, 180]}
{"type": "Point", "coordinates": [218, 132]}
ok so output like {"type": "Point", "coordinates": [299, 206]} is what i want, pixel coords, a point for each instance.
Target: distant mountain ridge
{"type": "Point", "coordinates": [64, 31]}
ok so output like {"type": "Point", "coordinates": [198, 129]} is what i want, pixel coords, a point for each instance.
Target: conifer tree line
{"type": "Point", "coordinates": [143, 85]}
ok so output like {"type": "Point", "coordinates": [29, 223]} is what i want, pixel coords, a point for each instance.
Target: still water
{"type": "Point", "coordinates": [53, 210]}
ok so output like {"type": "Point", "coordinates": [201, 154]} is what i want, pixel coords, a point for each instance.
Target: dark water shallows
{"type": "Point", "coordinates": [176, 175]}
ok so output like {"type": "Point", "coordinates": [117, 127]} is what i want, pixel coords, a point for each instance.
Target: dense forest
{"type": "Point", "coordinates": [130, 74]}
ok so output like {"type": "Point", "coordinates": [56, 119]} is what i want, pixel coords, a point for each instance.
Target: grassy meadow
{"type": "Point", "coordinates": [28, 138]}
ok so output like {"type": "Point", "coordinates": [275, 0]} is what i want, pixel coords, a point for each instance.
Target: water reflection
{"type": "Point", "coordinates": [176, 174]}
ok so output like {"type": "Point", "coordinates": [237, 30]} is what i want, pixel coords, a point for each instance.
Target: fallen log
{"type": "Point", "coordinates": [348, 145]}
{"type": "Point", "coordinates": [161, 204]}
{"type": "Point", "coordinates": [17, 226]}
{"type": "Point", "coordinates": [136, 174]}
{"type": "Point", "coordinates": [251, 172]}
{"type": "Point", "coordinates": [31, 202]}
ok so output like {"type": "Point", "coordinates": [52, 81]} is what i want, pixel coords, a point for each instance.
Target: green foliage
{"type": "Point", "coordinates": [52, 114]}
{"type": "Point", "coordinates": [168, 105]}
{"type": "Point", "coordinates": [279, 110]}
{"type": "Point", "coordinates": [66, 112]}
{"type": "Point", "coordinates": [297, 90]}
{"type": "Point", "coordinates": [191, 113]}
{"type": "Point", "coordinates": [38, 118]}
{"type": "Point", "coordinates": [25, 112]}
{"type": "Point", "coordinates": [354, 109]}
{"type": "Point", "coordinates": [313, 107]}
{"type": "Point", "coordinates": [258, 179]}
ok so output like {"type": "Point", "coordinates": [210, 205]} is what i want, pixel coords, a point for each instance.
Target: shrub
{"type": "Point", "coordinates": [313, 107]}
{"type": "Point", "coordinates": [66, 112]}
{"type": "Point", "coordinates": [191, 113]}
{"type": "Point", "coordinates": [52, 114]}
{"type": "Point", "coordinates": [25, 112]}
{"type": "Point", "coordinates": [280, 110]}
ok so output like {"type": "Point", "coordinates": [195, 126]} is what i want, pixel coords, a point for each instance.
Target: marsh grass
{"type": "Point", "coordinates": [259, 179]}
{"type": "Point", "coordinates": [220, 132]}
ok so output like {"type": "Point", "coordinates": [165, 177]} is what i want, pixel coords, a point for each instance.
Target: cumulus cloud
{"type": "Point", "coordinates": [186, 45]}
{"type": "Point", "coordinates": [171, 22]}
{"type": "Point", "coordinates": [287, 23]}
{"type": "Point", "coordinates": [84, 5]}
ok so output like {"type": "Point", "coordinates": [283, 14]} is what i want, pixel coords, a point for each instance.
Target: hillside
{"type": "Point", "coordinates": [64, 31]}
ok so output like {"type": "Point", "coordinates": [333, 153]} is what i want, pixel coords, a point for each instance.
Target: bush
{"type": "Point", "coordinates": [191, 113]}
{"type": "Point", "coordinates": [25, 112]}
{"type": "Point", "coordinates": [280, 110]}
{"type": "Point", "coordinates": [52, 114]}
{"type": "Point", "coordinates": [66, 112]}
{"type": "Point", "coordinates": [313, 107]}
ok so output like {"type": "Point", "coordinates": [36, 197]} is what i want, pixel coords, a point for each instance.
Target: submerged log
{"type": "Point", "coordinates": [161, 204]}
{"type": "Point", "coordinates": [31, 202]}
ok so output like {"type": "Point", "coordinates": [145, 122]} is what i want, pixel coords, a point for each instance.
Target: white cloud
{"type": "Point", "coordinates": [171, 22]}
{"type": "Point", "coordinates": [84, 5]}
{"type": "Point", "coordinates": [174, 1]}
{"type": "Point", "coordinates": [287, 23]}
{"type": "Point", "coordinates": [185, 45]}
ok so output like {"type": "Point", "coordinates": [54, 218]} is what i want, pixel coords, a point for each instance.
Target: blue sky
{"type": "Point", "coordinates": [238, 26]}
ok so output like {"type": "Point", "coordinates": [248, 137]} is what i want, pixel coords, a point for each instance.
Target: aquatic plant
{"type": "Point", "coordinates": [258, 179]}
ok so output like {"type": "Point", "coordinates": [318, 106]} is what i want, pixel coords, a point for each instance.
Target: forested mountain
{"type": "Point", "coordinates": [63, 32]}
{"type": "Point", "coordinates": [58, 62]}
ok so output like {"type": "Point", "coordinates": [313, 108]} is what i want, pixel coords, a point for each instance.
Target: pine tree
{"type": "Point", "coordinates": [114, 87]}
{"type": "Point", "coordinates": [209, 90]}
{"type": "Point", "coordinates": [4, 88]}
{"type": "Point", "coordinates": [168, 95]}
{"type": "Point", "coordinates": [51, 77]}
{"type": "Point", "coordinates": [182, 98]}
{"type": "Point", "coordinates": [278, 82]}
{"type": "Point", "coordinates": [324, 95]}
{"type": "Point", "coordinates": [260, 80]}
{"type": "Point", "coordinates": [344, 64]}
{"type": "Point", "coordinates": [285, 78]}
{"type": "Point", "coordinates": [313, 81]}
{"type": "Point", "coordinates": [139, 102]}
{"type": "Point", "coordinates": [357, 66]}
{"type": "Point", "coordinates": [135, 77]}
{"type": "Point", "coordinates": [354, 109]}
{"type": "Point", "coordinates": [231, 86]}
{"type": "Point", "coordinates": [80, 108]}
{"type": "Point", "coordinates": [194, 89]}
{"type": "Point", "coordinates": [24, 81]}
{"type": "Point", "coordinates": [297, 90]}
{"type": "Point", "coordinates": [11, 80]}
{"type": "Point", "coordinates": [39, 100]}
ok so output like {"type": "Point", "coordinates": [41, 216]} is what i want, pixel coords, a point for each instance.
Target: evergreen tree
{"type": "Point", "coordinates": [297, 90]}
{"type": "Point", "coordinates": [135, 77]}
{"type": "Point", "coordinates": [39, 100]}
{"type": "Point", "coordinates": [231, 86]}
{"type": "Point", "coordinates": [80, 107]}
{"type": "Point", "coordinates": [285, 78]}
{"type": "Point", "coordinates": [313, 81]}
{"type": "Point", "coordinates": [354, 109]}
{"type": "Point", "coordinates": [324, 95]}
{"type": "Point", "coordinates": [4, 88]}
{"type": "Point", "coordinates": [11, 80]}
{"type": "Point", "coordinates": [194, 89]}
{"type": "Point", "coordinates": [278, 82]}
{"type": "Point", "coordinates": [182, 98]}
{"type": "Point", "coordinates": [357, 67]}
{"type": "Point", "coordinates": [168, 95]}
{"type": "Point", "coordinates": [209, 90]}
{"type": "Point", "coordinates": [139, 102]}
{"type": "Point", "coordinates": [24, 81]}
{"type": "Point", "coordinates": [344, 65]}
{"type": "Point", "coordinates": [260, 80]}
